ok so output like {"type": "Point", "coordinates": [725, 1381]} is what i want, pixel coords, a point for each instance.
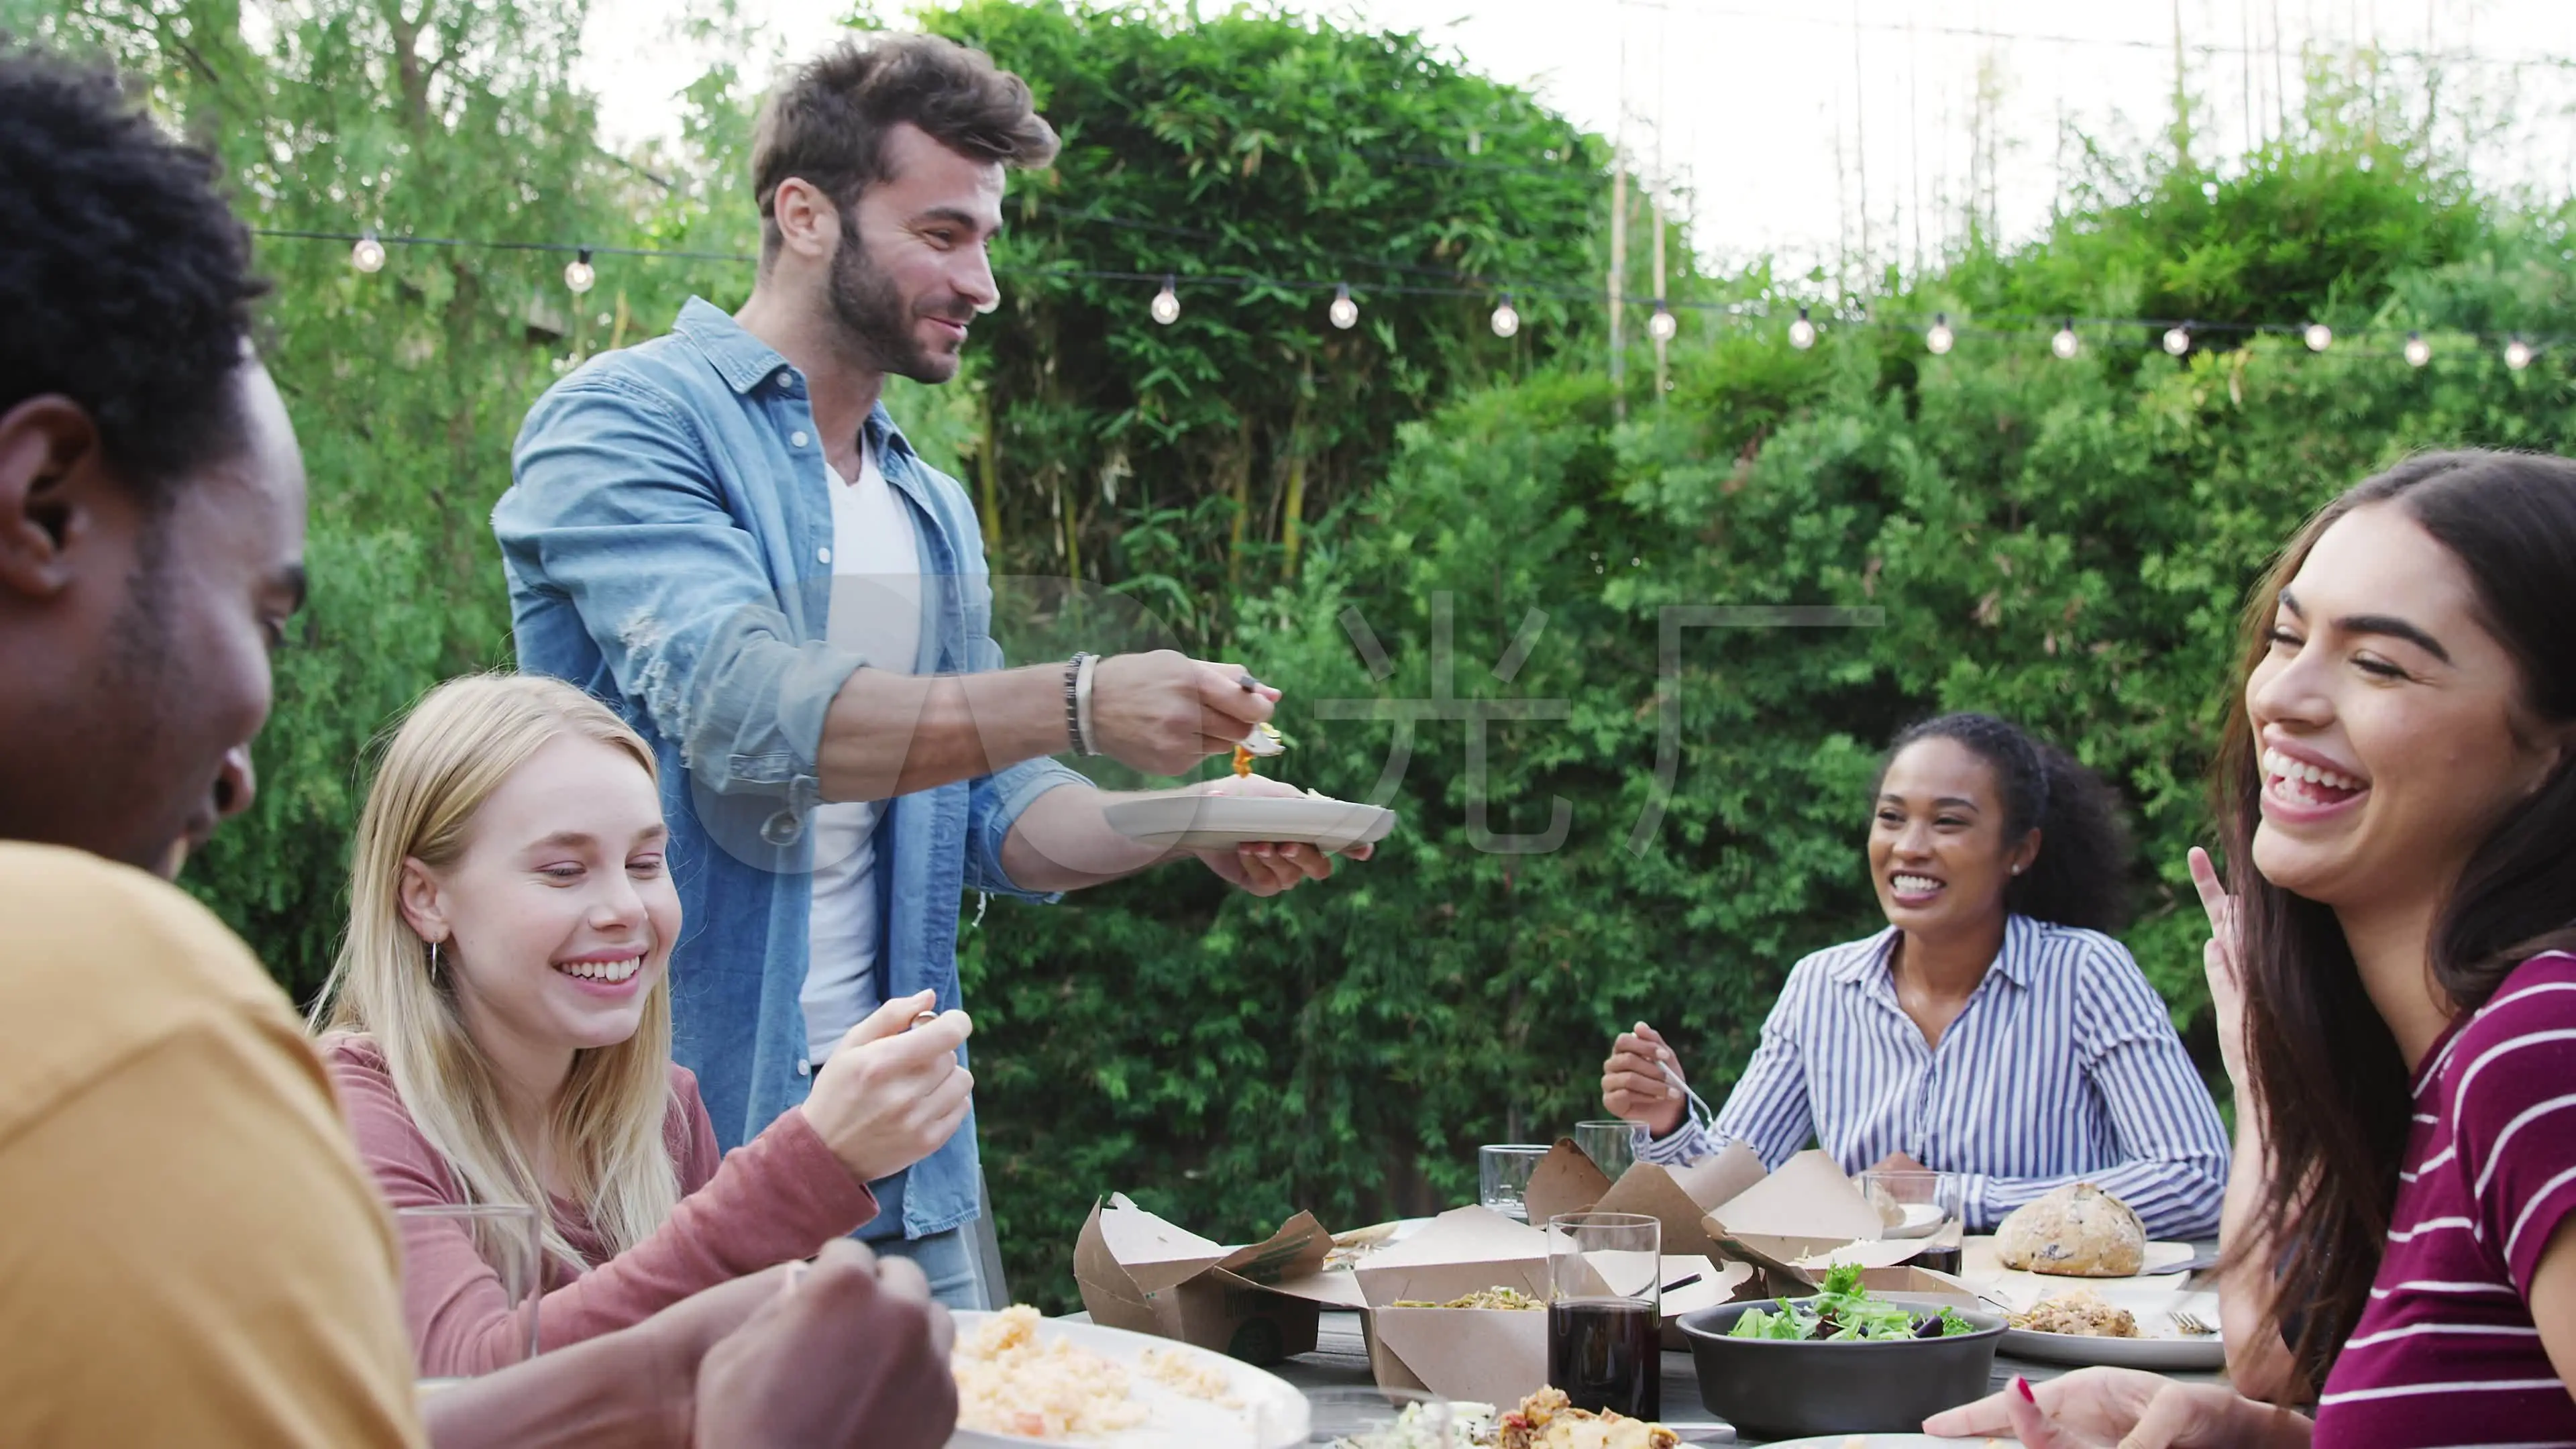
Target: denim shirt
{"type": "Point", "coordinates": [667, 539]}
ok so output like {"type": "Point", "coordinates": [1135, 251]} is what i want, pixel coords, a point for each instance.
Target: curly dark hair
{"type": "Point", "coordinates": [827, 124]}
{"type": "Point", "coordinates": [2081, 875]}
{"type": "Point", "coordinates": [124, 276]}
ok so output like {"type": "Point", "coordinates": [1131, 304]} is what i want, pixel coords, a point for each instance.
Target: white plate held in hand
{"type": "Point", "coordinates": [1202, 822]}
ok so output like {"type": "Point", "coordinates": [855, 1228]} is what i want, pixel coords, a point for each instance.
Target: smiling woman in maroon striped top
{"type": "Point", "coordinates": [2397, 799]}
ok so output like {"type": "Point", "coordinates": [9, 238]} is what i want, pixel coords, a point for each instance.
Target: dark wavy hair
{"type": "Point", "coordinates": [124, 277]}
{"type": "Point", "coordinates": [2080, 877]}
{"type": "Point", "coordinates": [828, 123]}
{"type": "Point", "coordinates": [2334, 1093]}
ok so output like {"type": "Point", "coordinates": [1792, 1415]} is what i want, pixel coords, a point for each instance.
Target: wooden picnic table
{"type": "Point", "coordinates": [1340, 1360]}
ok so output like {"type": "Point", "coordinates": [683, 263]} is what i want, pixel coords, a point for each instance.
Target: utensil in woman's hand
{"type": "Point", "coordinates": [2185, 1323]}
{"type": "Point", "coordinates": [1698, 1107]}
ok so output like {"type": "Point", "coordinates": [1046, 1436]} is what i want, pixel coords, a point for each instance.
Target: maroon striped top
{"type": "Point", "coordinates": [2445, 1353]}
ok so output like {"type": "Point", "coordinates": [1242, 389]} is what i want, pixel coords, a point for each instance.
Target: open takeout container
{"type": "Point", "coordinates": [1141, 1273]}
{"type": "Point", "coordinates": [1696, 1274]}
{"type": "Point", "coordinates": [1485, 1355]}
{"type": "Point", "coordinates": [1489, 1355]}
{"type": "Point", "coordinates": [1782, 1228]}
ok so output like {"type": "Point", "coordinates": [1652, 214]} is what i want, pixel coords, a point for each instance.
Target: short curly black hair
{"type": "Point", "coordinates": [125, 279]}
{"type": "Point", "coordinates": [2081, 876]}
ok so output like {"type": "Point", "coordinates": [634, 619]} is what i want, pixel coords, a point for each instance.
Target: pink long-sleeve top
{"type": "Point", "coordinates": [780, 1197]}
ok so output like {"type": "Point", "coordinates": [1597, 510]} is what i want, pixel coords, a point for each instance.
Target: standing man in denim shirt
{"type": "Point", "coordinates": [722, 533]}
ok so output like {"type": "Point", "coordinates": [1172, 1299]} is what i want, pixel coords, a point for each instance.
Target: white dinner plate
{"type": "Point", "coordinates": [1177, 1420]}
{"type": "Point", "coordinates": [1879, 1441]}
{"type": "Point", "coordinates": [2159, 1347]}
{"type": "Point", "coordinates": [1203, 822]}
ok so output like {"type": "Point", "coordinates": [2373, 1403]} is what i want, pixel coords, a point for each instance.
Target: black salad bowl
{"type": "Point", "coordinates": [1772, 1388]}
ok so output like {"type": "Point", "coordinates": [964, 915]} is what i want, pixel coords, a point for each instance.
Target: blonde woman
{"type": "Point", "coordinates": [499, 1026]}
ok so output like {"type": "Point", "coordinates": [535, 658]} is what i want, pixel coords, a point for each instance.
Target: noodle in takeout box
{"type": "Point", "coordinates": [1418, 1338]}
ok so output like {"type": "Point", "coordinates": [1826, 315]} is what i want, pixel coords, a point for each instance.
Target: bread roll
{"type": "Point", "coordinates": [2078, 1231]}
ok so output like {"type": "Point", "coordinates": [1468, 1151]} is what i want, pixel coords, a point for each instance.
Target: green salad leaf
{"type": "Point", "coordinates": [1758, 1324]}
{"type": "Point", "coordinates": [1841, 1312]}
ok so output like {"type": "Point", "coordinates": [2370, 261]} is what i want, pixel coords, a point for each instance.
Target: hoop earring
{"type": "Point", "coordinates": [433, 961]}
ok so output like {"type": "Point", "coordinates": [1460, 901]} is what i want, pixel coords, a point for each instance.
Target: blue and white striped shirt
{"type": "Point", "coordinates": [2063, 1068]}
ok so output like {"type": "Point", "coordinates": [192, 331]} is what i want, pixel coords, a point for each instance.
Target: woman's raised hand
{"type": "Point", "coordinates": [2219, 962]}
{"type": "Point", "coordinates": [892, 1093]}
{"type": "Point", "coordinates": [1633, 1085]}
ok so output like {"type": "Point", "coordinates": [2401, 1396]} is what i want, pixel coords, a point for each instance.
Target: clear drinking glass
{"type": "Point", "coordinates": [1360, 1415]}
{"type": "Point", "coordinates": [1612, 1146]}
{"type": "Point", "coordinates": [504, 1236]}
{"type": "Point", "coordinates": [1503, 1176]}
{"type": "Point", "coordinates": [1929, 1206]}
{"type": "Point", "coordinates": [1605, 1311]}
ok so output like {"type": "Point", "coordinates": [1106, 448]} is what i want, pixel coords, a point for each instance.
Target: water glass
{"type": "Point", "coordinates": [1503, 1176]}
{"type": "Point", "coordinates": [504, 1236]}
{"type": "Point", "coordinates": [1916, 1204]}
{"type": "Point", "coordinates": [1605, 1312]}
{"type": "Point", "coordinates": [1612, 1146]}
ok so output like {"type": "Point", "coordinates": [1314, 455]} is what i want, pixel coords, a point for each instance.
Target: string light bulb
{"type": "Point", "coordinates": [2178, 338]}
{"type": "Point", "coordinates": [1940, 339]}
{"type": "Point", "coordinates": [2418, 351]}
{"type": "Point", "coordinates": [1802, 333]}
{"type": "Point", "coordinates": [1344, 312]}
{"type": "Point", "coordinates": [1506, 321]}
{"type": "Point", "coordinates": [1167, 303]}
{"type": "Point", "coordinates": [2319, 337]}
{"type": "Point", "coordinates": [2517, 353]}
{"type": "Point", "coordinates": [369, 254]}
{"type": "Point", "coordinates": [1663, 324]}
{"type": "Point", "coordinates": [579, 274]}
{"type": "Point", "coordinates": [2065, 344]}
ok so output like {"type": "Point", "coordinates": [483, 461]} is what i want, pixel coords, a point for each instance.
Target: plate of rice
{"type": "Point", "coordinates": [1023, 1379]}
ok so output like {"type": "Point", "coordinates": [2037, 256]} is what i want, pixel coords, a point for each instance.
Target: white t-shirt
{"type": "Point", "coordinates": [876, 612]}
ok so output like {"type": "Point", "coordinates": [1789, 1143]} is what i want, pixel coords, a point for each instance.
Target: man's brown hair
{"type": "Point", "coordinates": [827, 124]}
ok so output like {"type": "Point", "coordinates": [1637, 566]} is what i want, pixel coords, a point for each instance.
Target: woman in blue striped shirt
{"type": "Point", "coordinates": [1993, 1029]}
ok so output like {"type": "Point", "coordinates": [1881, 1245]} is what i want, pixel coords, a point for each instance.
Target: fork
{"type": "Point", "coordinates": [1697, 1105]}
{"type": "Point", "coordinates": [2185, 1323]}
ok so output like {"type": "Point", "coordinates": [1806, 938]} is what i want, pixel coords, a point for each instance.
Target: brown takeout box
{"type": "Point", "coordinates": [1790, 1224]}
{"type": "Point", "coordinates": [1567, 1181]}
{"type": "Point", "coordinates": [1806, 1217]}
{"type": "Point", "coordinates": [1141, 1273]}
{"type": "Point", "coordinates": [1489, 1355]}
{"type": "Point", "coordinates": [1681, 1198]}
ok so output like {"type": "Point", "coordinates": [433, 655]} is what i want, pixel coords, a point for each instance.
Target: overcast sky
{"type": "Point", "coordinates": [1804, 128]}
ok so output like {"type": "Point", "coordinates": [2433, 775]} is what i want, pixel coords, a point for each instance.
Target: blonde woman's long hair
{"type": "Point", "coordinates": [439, 766]}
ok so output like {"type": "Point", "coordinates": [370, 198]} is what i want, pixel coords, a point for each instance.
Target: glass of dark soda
{"type": "Point", "coordinates": [1605, 1311]}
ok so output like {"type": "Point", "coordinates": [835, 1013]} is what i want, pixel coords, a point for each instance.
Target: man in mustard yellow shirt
{"type": "Point", "coordinates": [190, 1252]}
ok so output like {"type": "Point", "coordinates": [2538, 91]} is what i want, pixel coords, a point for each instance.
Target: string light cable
{"type": "Point", "coordinates": [369, 249]}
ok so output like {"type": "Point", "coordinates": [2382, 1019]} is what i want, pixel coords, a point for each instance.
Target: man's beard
{"type": "Point", "coordinates": [876, 322]}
